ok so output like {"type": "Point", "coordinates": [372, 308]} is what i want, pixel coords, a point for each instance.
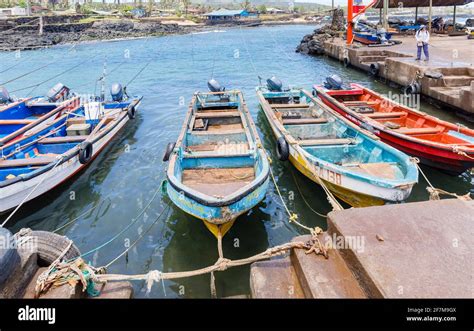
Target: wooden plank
{"type": "Point", "coordinates": [220, 114]}
{"type": "Point", "coordinates": [296, 121]}
{"type": "Point", "coordinates": [356, 103]}
{"type": "Point", "coordinates": [59, 140]}
{"type": "Point", "coordinates": [412, 131]}
{"type": "Point", "coordinates": [223, 132]}
{"type": "Point", "coordinates": [386, 114]}
{"type": "Point", "coordinates": [15, 122]}
{"type": "Point", "coordinates": [324, 142]}
{"type": "Point", "coordinates": [35, 161]}
{"type": "Point", "coordinates": [288, 105]}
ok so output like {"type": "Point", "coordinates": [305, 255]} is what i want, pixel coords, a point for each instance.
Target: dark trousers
{"type": "Point", "coordinates": [425, 51]}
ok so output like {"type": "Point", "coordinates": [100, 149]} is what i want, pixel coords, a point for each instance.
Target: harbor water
{"type": "Point", "coordinates": [122, 181]}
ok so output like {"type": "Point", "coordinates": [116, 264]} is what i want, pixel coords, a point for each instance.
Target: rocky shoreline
{"type": "Point", "coordinates": [24, 34]}
{"type": "Point", "coordinates": [67, 33]}
{"type": "Point", "coordinates": [312, 44]}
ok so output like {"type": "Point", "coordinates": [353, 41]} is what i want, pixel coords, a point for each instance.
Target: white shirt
{"type": "Point", "coordinates": [423, 36]}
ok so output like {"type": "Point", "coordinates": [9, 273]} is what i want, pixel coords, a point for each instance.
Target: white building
{"type": "Point", "coordinates": [14, 11]}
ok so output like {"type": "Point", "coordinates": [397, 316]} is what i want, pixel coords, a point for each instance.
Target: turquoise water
{"type": "Point", "coordinates": [123, 179]}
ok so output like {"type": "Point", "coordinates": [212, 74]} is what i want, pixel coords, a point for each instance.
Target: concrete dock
{"type": "Point", "coordinates": [412, 250]}
{"type": "Point", "coordinates": [453, 57]}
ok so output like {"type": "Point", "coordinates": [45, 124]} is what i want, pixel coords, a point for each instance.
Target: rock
{"type": "Point", "coordinates": [312, 44]}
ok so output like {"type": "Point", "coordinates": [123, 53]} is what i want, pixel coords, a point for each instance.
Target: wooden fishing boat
{"type": "Point", "coordinates": [435, 142]}
{"type": "Point", "coordinates": [217, 168]}
{"type": "Point", "coordinates": [352, 163]}
{"type": "Point", "coordinates": [36, 161]}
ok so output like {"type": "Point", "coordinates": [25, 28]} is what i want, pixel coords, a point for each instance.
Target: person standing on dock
{"type": "Point", "coordinates": [422, 38]}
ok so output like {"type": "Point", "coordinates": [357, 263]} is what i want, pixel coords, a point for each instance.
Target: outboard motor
{"type": "Point", "coordinates": [274, 84]}
{"type": "Point", "coordinates": [116, 91]}
{"type": "Point", "coordinates": [333, 82]}
{"type": "Point", "coordinates": [214, 86]}
{"type": "Point", "coordinates": [59, 92]}
{"type": "Point", "coordinates": [4, 96]}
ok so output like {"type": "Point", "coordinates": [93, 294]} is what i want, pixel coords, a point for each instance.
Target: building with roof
{"type": "Point", "coordinates": [225, 15]}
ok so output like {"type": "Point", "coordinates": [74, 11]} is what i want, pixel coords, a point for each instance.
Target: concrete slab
{"type": "Point", "coordinates": [324, 278]}
{"type": "Point", "coordinates": [274, 279]}
{"type": "Point", "coordinates": [413, 250]}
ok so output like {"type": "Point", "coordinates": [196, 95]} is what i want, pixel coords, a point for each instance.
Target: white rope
{"type": "Point", "coordinates": [31, 192]}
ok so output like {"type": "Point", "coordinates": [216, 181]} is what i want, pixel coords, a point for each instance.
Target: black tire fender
{"type": "Point", "coordinates": [51, 245]}
{"type": "Point", "coordinates": [374, 69]}
{"type": "Point", "coordinates": [85, 152]}
{"type": "Point", "coordinates": [346, 62]}
{"type": "Point", "coordinates": [9, 257]}
{"type": "Point", "coordinates": [168, 151]}
{"type": "Point", "coordinates": [131, 112]}
{"type": "Point", "coordinates": [282, 149]}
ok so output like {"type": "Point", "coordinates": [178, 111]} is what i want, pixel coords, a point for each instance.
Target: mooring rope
{"type": "Point", "coordinates": [436, 192]}
{"type": "Point", "coordinates": [303, 197]}
{"type": "Point", "coordinates": [134, 220]}
{"type": "Point", "coordinates": [66, 272]}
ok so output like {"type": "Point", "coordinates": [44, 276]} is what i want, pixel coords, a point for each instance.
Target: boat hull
{"type": "Point", "coordinates": [217, 218]}
{"type": "Point", "coordinates": [12, 195]}
{"type": "Point", "coordinates": [444, 159]}
{"type": "Point", "coordinates": [355, 192]}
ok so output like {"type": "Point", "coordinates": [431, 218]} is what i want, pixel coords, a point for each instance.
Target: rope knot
{"type": "Point", "coordinates": [152, 276]}
{"type": "Point", "coordinates": [223, 263]}
{"type": "Point", "coordinates": [293, 217]}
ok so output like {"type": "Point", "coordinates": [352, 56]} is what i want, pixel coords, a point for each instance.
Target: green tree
{"type": "Point", "coordinates": [246, 5]}
{"type": "Point", "coordinates": [262, 9]}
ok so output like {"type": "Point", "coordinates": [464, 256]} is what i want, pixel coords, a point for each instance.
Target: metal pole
{"type": "Point", "coordinates": [416, 14]}
{"type": "Point", "coordinates": [350, 9]}
{"type": "Point", "coordinates": [385, 14]}
{"type": "Point", "coordinates": [430, 13]}
{"type": "Point", "coordinates": [40, 32]}
{"type": "Point", "coordinates": [454, 18]}
{"type": "Point", "coordinates": [332, 5]}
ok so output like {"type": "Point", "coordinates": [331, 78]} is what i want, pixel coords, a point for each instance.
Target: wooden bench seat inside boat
{"type": "Point", "coordinates": [386, 170]}
{"type": "Point", "coordinates": [218, 182]}
{"type": "Point", "coordinates": [35, 161]}
{"type": "Point", "coordinates": [59, 140]}
{"type": "Point", "coordinates": [297, 121]}
{"type": "Point", "coordinates": [412, 131]}
{"type": "Point", "coordinates": [16, 122]}
{"type": "Point", "coordinates": [323, 142]}
{"type": "Point", "coordinates": [221, 129]}
{"type": "Point", "coordinates": [218, 114]}
{"type": "Point", "coordinates": [219, 148]}
{"type": "Point", "coordinates": [386, 114]}
{"type": "Point", "coordinates": [357, 103]}
{"type": "Point", "coordinates": [288, 105]}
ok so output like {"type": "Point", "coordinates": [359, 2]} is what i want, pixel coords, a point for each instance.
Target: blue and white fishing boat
{"type": "Point", "coordinates": [42, 157]}
{"type": "Point", "coordinates": [217, 169]}
{"type": "Point", "coordinates": [351, 162]}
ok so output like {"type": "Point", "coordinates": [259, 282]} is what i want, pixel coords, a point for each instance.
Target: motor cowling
{"type": "Point", "coordinates": [333, 82]}
{"type": "Point", "coordinates": [274, 84]}
{"type": "Point", "coordinates": [116, 91]}
{"type": "Point", "coordinates": [58, 92]}
{"type": "Point", "coordinates": [4, 96]}
{"type": "Point", "coordinates": [214, 86]}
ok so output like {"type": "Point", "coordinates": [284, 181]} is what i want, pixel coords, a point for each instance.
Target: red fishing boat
{"type": "Point", "coordinates": [437, 143]}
